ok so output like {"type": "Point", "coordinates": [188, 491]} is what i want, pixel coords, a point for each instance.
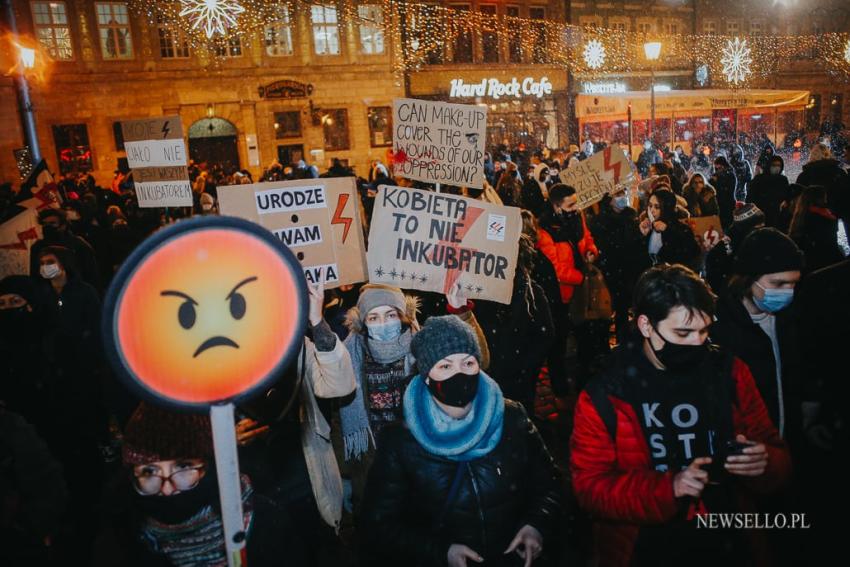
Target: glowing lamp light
{"type": "Point", "coordinates": [755, 117]}
{"type": "Point", "coordinates": [652, 50]}
{"type": "Point", "coordinates": [27, 56]}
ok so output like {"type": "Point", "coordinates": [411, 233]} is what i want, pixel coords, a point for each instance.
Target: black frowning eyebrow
{"type": "Point", "coordinates": [173, 293]}
{"type": "Point", "coordinates": [240, 284]}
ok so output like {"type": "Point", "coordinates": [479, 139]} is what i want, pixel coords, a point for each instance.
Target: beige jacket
{"type": "Point", "coordinates": [326, 375]}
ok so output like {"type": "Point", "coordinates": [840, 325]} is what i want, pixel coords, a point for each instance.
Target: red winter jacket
{"type": "Point", "coordinates": [561, 256]}
{"type": "Point", "coordinates": [618, 485]}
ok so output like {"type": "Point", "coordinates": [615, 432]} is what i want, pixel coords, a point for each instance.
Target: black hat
{"type": "Point", "coordinates": [767, 251]}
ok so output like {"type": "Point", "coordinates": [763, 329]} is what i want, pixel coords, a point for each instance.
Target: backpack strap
{"type": "Point", "coordinates": [604, 407]}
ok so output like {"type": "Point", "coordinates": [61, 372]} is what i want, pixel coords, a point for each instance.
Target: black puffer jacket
{"type": "Point", "coordinates": [513, 485]}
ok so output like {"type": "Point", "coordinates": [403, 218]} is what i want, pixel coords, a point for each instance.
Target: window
{"type": "Point", "coordinates": [619, 25]}
{"type": "Point", "coordinates": [118, 135]}
{"type": "Point", "coordinates": [72, 148]}
{"type": "Point", "coordinates": [671, 28]}
{"type": "Point", "coordinates": [173, 43]}
{"type": "Point", "coordinates": [113, 25]}
{"type": "Point", "coordinates": [380, 120]}
{"type": "Point", "coordinates": [538, 50]}
{"type": "Point", "coordinates": [709, 27]}
{"type": "Point", "coordinates": [290, 154]}
{"type": "Point", "coordinates": [231, 47]}
{"type": "Point", "coordinates": [590, 21]}
{"type": "Point", "coordinates": [756, 27]}
{"type": "Point", "coordinates": [335, 126]}
{"type": "Point", "coordinates": [278, 36]}
{"type": "Point", "coordinates": [51, 29]}
{"type": "Point", "coordinates": [645, 27]}
{"type": "Point", "coordinates": [325, 30]}
{"type": "Point", "coordinates": [287, 124]}
{"type": "Point", "coordinates": [462, 48]}
{"type": "Point", "coordinates": [515, 42]}
{"type": "Point", "coordinates": [732, 28]}
{"type": "Point", "coordinates": [371, 29]}
{"type": "Point", "coordinates": [489, 39]}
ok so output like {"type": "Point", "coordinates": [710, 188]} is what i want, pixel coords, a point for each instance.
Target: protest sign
{"type": "Point", "coordinates": [319, 219]}
{"type": "Point", "coordinates": [17, 235]}
{"type": "Point", "coordinates": [434, 241]}
{"type": "Point", "coordinates": [598, 175]}
{"type": "Point", "coordinates": [156, 152]}
{"type": "Point", "coordinates": [707, 230]}
{"type": "Point", "coordinates": [439, 142]}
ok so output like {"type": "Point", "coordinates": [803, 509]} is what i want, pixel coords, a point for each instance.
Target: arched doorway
{"type": "Point", "coordinates": [213, 140]}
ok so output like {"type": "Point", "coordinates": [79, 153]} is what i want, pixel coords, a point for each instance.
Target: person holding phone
{"type": "Point", "coordinates": [665, 409]}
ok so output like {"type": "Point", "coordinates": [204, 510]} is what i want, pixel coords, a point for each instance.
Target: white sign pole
{"type": "Point", "coordinates": [229, 487]}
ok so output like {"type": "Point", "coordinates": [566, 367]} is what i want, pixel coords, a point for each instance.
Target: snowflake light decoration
{"type": "Point", "coordinates": [215, 16]}
{"type": "Point", "coordinates": [736, 60]}
{"type": "Point", "coordinates": [847, 51]}
{"type": "Point", "coordinates": [594, 54]}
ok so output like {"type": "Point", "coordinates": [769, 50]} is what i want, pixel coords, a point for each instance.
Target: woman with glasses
{"type": "Point", "coordinates": [164, 508]}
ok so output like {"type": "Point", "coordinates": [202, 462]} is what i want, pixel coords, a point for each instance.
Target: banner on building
{"type": "Point", "coordinates": [598, 175]}
{"type": "Point", "coordinates": [708, 230]}
{"type": "Point", "coordinates": [17, 235]}
{"type": "Point", "coordinates": [156, 152]}
{"type": "Point", "coordinates": [434, 241]}
{"type": "Point", "coordinates": [319, 219]}
{"type": "Point", "coordinates": [439, 142]}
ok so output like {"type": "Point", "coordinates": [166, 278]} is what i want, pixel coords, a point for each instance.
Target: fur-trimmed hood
{"type": "Point", "coordinates": [354, 319]}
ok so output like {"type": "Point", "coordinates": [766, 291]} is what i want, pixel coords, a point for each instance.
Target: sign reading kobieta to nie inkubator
{"type": "Point", "coordinates": [156, 152]}
{"type": "Point", "coordinates": [439, 142]}
{"type": "Point", "coordinates": [436, 241]}
{"type": "Point", "coordinates": [598, 175]}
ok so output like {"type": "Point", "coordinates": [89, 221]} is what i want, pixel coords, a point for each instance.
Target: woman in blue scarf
{"type": "Point", "coordinates": [466, 476]}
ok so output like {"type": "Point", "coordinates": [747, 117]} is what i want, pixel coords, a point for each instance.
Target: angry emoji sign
{"type": "Point", "coordinates": [206, 311]}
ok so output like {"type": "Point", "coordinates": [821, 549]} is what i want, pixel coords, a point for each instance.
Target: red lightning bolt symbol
{"type": "Point", "coordinates": [615, 167]}
{"type": "Point", "coordinates": [29, 234]}
{"type": "Point", "coordinates": [339, 219]}
{"type": "Point", "coordinates": [472, 214]}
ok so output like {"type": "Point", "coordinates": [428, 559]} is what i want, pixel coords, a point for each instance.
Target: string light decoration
{"type": "Point", "coordinates": [213, 16]}
{"type": "Point", "coordinates": [426, 34]}
{"type": "Point", "coordinates": [594, 54]}
{"type": "Point", "coordinates": [847, 51]}
{"type": "Point", "coordinates": [736, 60]}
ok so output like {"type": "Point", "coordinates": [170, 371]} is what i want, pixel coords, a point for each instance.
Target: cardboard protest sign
{"type": "Point", "coordinates": [156, 152]}
{"type": "Point", "coordinates": [708, 230]}
{"type": "Point", "coordinates": [434, 241]}
{"type": "Point", "coordinates": [17, 235]}
{"type": "Point", "coordinates": [439, 142]}
{"type": "Point", "coordinates": [598, 175]}
{"type": "Point", "coordinates": [318, 219]}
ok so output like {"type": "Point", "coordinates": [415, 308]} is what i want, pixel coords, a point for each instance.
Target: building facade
{"type": "Point", "coordinates": [313, 87]}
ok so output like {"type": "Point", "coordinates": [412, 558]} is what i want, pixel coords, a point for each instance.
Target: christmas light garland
{"type": "Point", "coordinates": [426, 34]}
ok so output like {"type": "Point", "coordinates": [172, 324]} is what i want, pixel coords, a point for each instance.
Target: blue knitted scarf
{"type": "Point", "coordinates": [457, 439]}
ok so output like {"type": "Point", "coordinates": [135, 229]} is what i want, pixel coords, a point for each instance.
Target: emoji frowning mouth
{"type": "Point", "coordinates": [214, 342]}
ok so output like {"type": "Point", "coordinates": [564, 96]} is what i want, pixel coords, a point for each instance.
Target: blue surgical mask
{"type": "Point", "coordinates": [385, 332]}
{"type": "Point", "coordinates": [774, 299]}
{"type": "Point", "coordinates": [621, 202]}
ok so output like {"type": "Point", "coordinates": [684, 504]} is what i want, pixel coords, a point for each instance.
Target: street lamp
{"type": "Point", "coordinates": [27, 57]}
{"type": "Point", "coordinates": [652, 50]}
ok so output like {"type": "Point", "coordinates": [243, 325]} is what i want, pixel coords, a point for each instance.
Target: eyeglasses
{"type": "Point", "coordinates": [148, 483]}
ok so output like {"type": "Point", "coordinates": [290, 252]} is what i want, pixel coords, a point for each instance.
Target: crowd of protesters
{"type": "Point", "coordinates": [688, 377]}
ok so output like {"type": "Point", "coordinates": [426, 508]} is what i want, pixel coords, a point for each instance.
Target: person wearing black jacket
{"type": "Point", "coordinates": [666, 238]}
{"type": "Point", "coordinates": [754, 323]}
{"type": "Point", "coordinates": [57, 232]}
{"type": "Point", "coordinates": [621, 255]}
{"type": "Point", "coordinates": [452, 486]}
{"type": "Point", "coordinates": [769, 190]}
{"type": "Point", "coordinates": [725, 183]}
{"type": "Point", "coordinates": [720, 259]}
{"type": "Point", "coordinates": [743, 172]}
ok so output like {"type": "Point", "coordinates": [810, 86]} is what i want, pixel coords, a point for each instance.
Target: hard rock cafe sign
{"type": "Point", "coordinates": [286, 89]}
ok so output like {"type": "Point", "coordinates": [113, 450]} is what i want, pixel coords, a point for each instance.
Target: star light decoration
{"type": "Point", "coordinates": [736, 60]}
{"type": "Point", "coordinates": [214, 16]}
{"type": "Point", "coordinates": [594, 54]}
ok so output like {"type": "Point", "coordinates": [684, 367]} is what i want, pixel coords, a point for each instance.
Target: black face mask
{"type": "Point", "coordinates": [680, 358]}
{"type": "Point", "coordinates": [51, 232]}
{"type": "Point", "coordinates": [178, 508]}
{"type": "Point", "coordinates": [456, 391]}
{"type": "Point", "coordinates": [17, 325]}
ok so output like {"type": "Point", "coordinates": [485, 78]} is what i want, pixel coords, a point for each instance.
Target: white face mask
{"type": "Point", "coordinates": [50, 271]}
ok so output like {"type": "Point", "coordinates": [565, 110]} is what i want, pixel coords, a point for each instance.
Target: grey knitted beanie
{"type": "Point", "coordinates": [441, 337]}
